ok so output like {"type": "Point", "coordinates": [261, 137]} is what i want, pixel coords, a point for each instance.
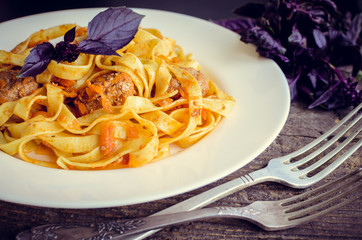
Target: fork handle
{"type": "Point", "coordinates": [210, 196]}
{"type": "Point", "coordinates": [120, 228]}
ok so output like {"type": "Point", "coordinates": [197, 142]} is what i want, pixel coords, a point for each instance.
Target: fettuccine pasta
{"type": "Point", "coordinates": [106, 112]}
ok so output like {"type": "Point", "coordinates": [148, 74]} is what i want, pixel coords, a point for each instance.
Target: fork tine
{"type": "Point", "coordinates": [303, 212]}
{"type": "Point", "coordinates": [303, 205]}
{"type": "Point", "coordinates": [290, 212]}
{"type": "Point", "coordinates": [298, 221]}
{"type": "Point", "coordinates": [327, 144]}
{"type": "Point", "coordinates": [322, 137]}
{"type": "Point", "coordinates": [315, 209]}
{"type": "Point", "coordinates": [320, 175]}
{"type": "Point", "coordinates": [343, 180]}
{"type": "Point", "coordinates": [325, 207]}
{"type": "Point", "coordinates": [331, 154]}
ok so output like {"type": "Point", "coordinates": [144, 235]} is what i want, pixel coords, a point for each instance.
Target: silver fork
{"type": "Point", "coordinates": [269, 215]}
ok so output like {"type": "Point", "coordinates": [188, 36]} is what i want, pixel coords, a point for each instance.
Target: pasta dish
{"type": "Point", "coordinates": [101, 111]}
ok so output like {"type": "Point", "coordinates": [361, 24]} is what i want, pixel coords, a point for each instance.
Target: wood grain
{"type": "Point", "coordinates": [301, 127]}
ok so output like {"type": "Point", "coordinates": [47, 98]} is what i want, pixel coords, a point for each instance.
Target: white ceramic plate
{"type": "Point", "coordinates": [257, 84]}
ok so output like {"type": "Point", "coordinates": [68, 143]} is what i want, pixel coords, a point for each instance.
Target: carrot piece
{"type": "Point", "coordinates": [82, 108]}
{"type": "Point", "coordinates": [107, 141]}
{"type": "Point", "coordinates": [132, 131]}
{"type": "Point", "coordinates": [94, 89]}
{"type": "Point", "coordinates": [64, 82]}
{"type": "Point", "coordinates": [106, 104]}
{"type": "Point", "coordinates": [2, 84]}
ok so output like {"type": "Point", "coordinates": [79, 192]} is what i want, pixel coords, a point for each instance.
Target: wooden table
{"type": "Point", "coordinates": [302, 126]}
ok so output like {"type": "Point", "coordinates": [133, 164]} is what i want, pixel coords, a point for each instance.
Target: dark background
{"type": "Point", "coordinates": [206, 9]}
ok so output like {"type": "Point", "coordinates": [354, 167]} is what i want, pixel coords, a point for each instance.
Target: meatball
{"type": "Point", "coordinates": [201, 79]}
{"type": "Point", "coordinates": [116, 87]}
{"type": "Point", "coordinates": [13, 88]}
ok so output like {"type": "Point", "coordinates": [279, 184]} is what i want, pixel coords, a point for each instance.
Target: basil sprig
{"type": "Point", "coordinates": [108, 31]}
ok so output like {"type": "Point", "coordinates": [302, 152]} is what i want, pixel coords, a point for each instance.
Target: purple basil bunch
{"type": "Point", "coordinates": [317, 47]}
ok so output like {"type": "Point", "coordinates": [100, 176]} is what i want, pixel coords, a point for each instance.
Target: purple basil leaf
{"type": "Point", "coordinates": [323, 74]}
{"type": "Point", "coordinates": [65, 51]}
{"type": "Point", "coordinates": [95, 47]}
{"type": "Point", "coordinates": [237, 25]}
{"type": "Point", "coordinates": [292, 82]}
{"type": "Point", "coordinates": [114, 27]}
{"type": "Point", "coordinates": [37, 60]}
{"type": "Point", "coordinates": [313, 78]}
{"type": "Point", "coordinates": [70, 35]}
{"type": "Point", "coordinates": [319, 38]}
{"type": "Point", "coordinates": [355, 29]}
{"type": "Point", "coordinates": [342, 51]}
{"type": "Point", "coordinates": [267, 46]}
{"type": "Point", "coordinates": [324, 97]}
{"type": "Point", "coordinates": [297, 38]}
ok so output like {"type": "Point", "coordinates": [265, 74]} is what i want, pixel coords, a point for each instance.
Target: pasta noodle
{"type": "Point", "coordinates": [106, 112]}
